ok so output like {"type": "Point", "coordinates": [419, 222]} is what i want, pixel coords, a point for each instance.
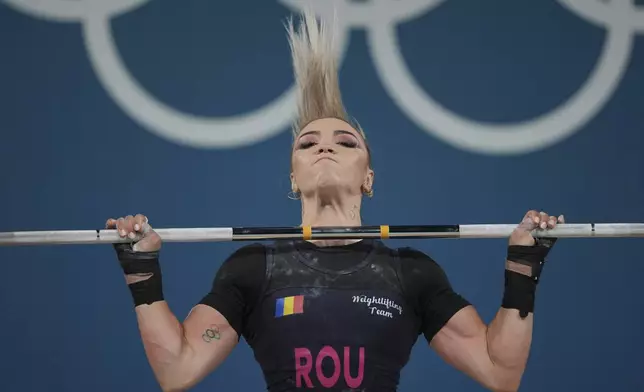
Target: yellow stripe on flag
{"type": "Point", "coordinates": [288, 305]}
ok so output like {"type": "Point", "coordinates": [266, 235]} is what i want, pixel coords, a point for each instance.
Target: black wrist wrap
{"type": "Point", "coordinates": [520, 289]}
{"type": "Point", "coordinates": [149, 290]}
{"type": "Point", "coordinates": [519, 293]}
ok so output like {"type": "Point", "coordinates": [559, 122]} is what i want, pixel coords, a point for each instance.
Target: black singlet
{"type": "Point", "coordinates": [341, 318]}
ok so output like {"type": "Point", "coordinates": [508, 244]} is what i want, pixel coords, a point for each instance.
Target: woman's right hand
{"type": "Point", "coordinates": [138, 230]}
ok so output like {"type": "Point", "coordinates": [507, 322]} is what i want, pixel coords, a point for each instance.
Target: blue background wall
{"type": "Point", "coordinates": [73, 153]}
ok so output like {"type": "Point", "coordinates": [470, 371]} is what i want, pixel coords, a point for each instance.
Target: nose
{"type": "Point", "coordinates": [326, 149]}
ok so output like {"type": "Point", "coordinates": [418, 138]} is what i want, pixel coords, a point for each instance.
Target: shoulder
{"type": "Point", "coordinates": [413, 255]}
{"type": "Point", "coordinates": [419, 272]}
{"type": "Point", "coordinates": [428, 287]}
{"type": "Point", "coordinates": [247, 260]}
{"type": "Point", "coordinates": [417, 262]}
{"type": "Point", "coordinates": [246, 252]}
{"type": "Point", "coordinates": [251, 253]}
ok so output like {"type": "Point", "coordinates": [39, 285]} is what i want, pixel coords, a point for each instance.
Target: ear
{"type": "Point", "coordinates": [367, 185]}
{"type": "Point", "coordinates": [293, 184]}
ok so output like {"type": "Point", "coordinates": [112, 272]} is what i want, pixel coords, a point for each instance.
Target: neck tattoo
{"type": "Point", "coordinates": [352, 212]}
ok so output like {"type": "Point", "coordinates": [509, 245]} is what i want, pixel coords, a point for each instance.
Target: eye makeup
{"type": "Point", "coordinates": [344, 138]}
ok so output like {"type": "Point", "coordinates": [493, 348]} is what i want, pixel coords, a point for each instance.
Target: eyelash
{"type": "Point", "coordinates": [348, 144]}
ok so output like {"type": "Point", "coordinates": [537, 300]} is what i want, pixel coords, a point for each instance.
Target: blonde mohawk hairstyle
{"type": "Point", "coordinates": [313, 49]}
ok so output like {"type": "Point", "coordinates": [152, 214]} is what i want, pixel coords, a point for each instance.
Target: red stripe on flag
{"type": "Point", "coordinates": [298, 304]}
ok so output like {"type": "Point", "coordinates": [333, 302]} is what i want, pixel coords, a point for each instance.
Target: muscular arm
{"type": "Point", "coordinates": [494, 355]}
{"type": "Point", "coordinates": [178, 354]}
{"type": "Point", "coordinates": [182, 354]}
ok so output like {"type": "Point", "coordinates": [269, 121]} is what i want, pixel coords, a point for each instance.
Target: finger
{"type": "Point", "coordinates": [552, 222]}
{"type": "Point", "coordinates": [537, 217]}
{"type": "Point", "coordinates": [561, 219]}
{"type": "Point", "coordinates": [139, 221]}
{"type": "Point", "coordinates": [131, 232]}
{"type": "Point", "coordinates": [533, 216]}
{"type": "Point", "coordinates": [543, 220]}
{"type": "Point", "coordinates": [134, 236]}
{"type": "Point", "coordinates": [530, 221]}
{"type": "Point", "coordinates": [146, 228]}
{"type": "Point", "coordinates": [120, 223]}
{"type": "Point", "coordinates": [128, 225]}
{"type": "Point", "coordinates": [110, 223]}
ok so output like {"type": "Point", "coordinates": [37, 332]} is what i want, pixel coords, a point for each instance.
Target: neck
{"type": "Point", "coordinates": [322, 212]}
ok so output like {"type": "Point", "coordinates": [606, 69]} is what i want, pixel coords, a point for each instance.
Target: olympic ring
{"type": "Point", "coordinates": [153, 115]}
{"type": "Point", "coordinates": [621, 19]}
{"type": "Point", "coordinates": [74, 11]}
{"type": "Point", "coordinates": [499, 139]}
{"type": "Point", "coordinates": [605, 15]}
{"type": "Point", "coordinates": [211, 333]}
{"type": "Point", "coordinates": [187, 129]}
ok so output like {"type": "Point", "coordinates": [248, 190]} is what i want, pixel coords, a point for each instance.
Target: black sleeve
{"type": "Point", "coordinates": [429, 290]}
{"type": "Point", "coordinates": [237, 285]}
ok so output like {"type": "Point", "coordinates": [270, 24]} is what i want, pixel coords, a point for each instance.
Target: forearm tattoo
{"type": "Point", "coordinates": [211, 333]}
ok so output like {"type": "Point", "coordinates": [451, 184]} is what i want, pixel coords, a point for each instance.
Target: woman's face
{"type": "Point", "coordinates": [330, 156]}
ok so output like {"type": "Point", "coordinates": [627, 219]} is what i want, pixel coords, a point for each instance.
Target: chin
{"type": "Point", "coordinates": [328, 180]}
{"type": "Point", "coordinates": [329, 190]}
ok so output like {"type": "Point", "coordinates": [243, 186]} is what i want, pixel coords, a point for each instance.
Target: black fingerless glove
{"type": "Point", "coordinates": [520, 289]}
{"type": "Point", "coordinates": [146, 291]}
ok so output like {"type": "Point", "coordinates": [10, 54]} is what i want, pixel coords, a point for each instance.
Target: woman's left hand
{"type": "Point", "coordinates": [532, 220]}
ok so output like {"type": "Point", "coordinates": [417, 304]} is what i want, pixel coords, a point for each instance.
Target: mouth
{"type": "Point", "coordinates": [325, 158]}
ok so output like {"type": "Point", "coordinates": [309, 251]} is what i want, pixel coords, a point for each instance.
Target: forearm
{"type": "Point", "coordinates": [496, 355]}
{"type": "Point", "coordinates": [163, 340]}
{"type": "Point", "coordinates": [180, 353]}
{"type": "Point", "coordinates": [163, 336]}
{"type": "Point", "coordinates": [509, 335]}
{"type": "Point", "coordinates": [508, 340]}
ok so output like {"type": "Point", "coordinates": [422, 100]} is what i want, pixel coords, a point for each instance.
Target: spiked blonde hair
{"type": "Point", "coordinates": [313, 49]}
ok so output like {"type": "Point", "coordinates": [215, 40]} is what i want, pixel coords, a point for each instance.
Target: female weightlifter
{"type": "Point", "coordinates": [335, 314]}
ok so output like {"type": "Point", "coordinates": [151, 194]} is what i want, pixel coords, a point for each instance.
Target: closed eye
{"type": "Point", "coordinates": [348, 144]}
{"type": "Point", "coordinates": [307, 144]}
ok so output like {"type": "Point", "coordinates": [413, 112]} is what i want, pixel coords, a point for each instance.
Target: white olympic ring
{"type": "Point", "coordinates": [379, 18]}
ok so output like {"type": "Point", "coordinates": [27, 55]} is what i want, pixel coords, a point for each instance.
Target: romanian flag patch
{"type": "Point", "coordinates": [289, 305]}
